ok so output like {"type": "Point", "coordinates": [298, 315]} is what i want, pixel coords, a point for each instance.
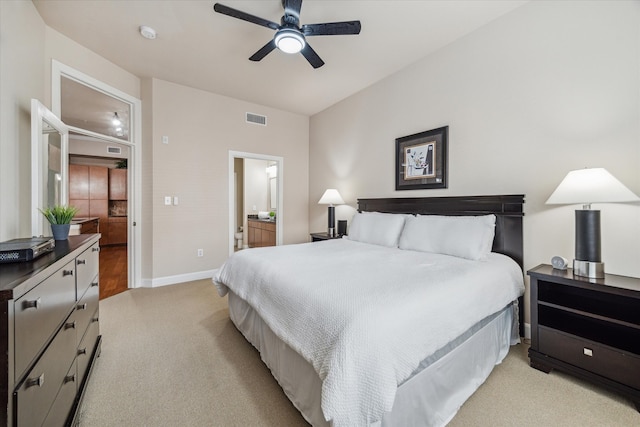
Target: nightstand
{"type": "Point", "coordinates": [316, 237]}
{"type": "Point", "coordinates": [589, 328]}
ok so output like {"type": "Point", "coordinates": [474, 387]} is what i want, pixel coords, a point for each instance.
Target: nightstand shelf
{"type": "Point", "coordinates": [587, 327]}
{"type": "Point", "coordinates": [317, 237]}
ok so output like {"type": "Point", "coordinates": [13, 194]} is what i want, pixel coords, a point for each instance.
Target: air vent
{"type": "Point", "coordinates": [256, 119]}
{"type": "Point", "coordinates": [114, 150]}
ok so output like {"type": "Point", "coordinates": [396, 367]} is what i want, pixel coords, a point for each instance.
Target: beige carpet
{"type": "Point", "coordinates": [171, 357]}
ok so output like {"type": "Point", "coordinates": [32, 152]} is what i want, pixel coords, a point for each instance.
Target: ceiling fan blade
{"type": "Point", "coordinates": [312, 56]}
{"type": "Point", "coordinates": [226, 10]}
{"type": "Point", "coordinates": [264, 51]}
{"type": "Point", "coordinates": [292, 7]}
{"type": "Point", "coordinates": [332, 28]}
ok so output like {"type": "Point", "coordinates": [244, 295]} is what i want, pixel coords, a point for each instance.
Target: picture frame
{"type": "Point", "coordinates": [421, 160]}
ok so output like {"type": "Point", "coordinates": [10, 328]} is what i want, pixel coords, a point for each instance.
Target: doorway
{"type": "Point", "coordinates": [242, 204]}
{"type": "Point", "coordinates": [104, 169]}
{"type": "Point", "coordinates": [91, 109]}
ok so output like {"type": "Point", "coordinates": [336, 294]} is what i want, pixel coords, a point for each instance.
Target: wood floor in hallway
{"type": "Point", "coordinates": [113, 270]}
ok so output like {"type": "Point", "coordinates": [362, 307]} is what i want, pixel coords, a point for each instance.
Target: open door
{"type": "Point", "coordinates": [49, 165]}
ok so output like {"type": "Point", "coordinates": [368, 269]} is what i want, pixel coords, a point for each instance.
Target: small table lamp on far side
{"type": "Point", "coordinates": [331, 197]}
{"type": "Point", "coordinates": [586, 186]}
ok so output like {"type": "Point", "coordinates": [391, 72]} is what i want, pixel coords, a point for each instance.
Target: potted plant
{"type": "Point", "coordinates": [60, 217]}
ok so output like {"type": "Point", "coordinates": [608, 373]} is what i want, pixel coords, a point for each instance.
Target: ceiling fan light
{"type": "Point", "coordinates": [289, 41]}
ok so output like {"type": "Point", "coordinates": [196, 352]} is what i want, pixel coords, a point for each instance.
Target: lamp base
{"type": "Point", "coordinates": [590, 269]}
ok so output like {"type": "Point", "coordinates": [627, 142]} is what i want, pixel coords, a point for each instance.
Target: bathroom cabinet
{"type": "Point", "coordinates": [261, 233]}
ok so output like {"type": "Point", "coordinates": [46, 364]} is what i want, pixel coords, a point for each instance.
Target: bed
{"type": "Point", "coordinates": [399, 323]}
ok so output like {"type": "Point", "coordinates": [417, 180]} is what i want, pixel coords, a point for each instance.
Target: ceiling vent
{"type": "Point", "coordinates": [256, 119]}
{"type": "Point", "coordinates": [114, 150]}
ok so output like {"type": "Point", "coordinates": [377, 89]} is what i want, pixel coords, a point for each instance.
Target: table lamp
{"type": "Point", "coordinates": [331, 197]}
{"type": "Point", "coordinates": [586, 186]}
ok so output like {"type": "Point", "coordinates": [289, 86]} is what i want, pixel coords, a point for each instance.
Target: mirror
{"type": "Point", "coordinates": [49, 165]}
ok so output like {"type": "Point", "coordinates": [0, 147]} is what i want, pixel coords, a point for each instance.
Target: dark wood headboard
{"type": "Point", "coordinates": [507, 209]}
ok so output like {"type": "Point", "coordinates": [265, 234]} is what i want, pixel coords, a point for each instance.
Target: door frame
{"type": "Point", "coordinates": [134, 184]}
{"type": "Point", "coordinates": [279, 179]}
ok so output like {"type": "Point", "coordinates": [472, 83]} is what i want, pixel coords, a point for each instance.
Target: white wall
{"type": "Point", "coordinates": [202, 128]}
{"type": "Point", "coordinates": [22, 77]}
{"type": "Point", "coordinates": [545, 89]}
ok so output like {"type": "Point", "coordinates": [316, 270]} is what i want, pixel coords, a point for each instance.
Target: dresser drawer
{"type": "Point", "coordinates": [87, 345]}
{"type": "Point", "coordinates": [37, 392]}
{"type": "Point", "coordinates": [39, 313]}
{"type": "Point", "coordinates": [85, 309]}
{"type": "Point", "coordinates": [606, 361]}
{"type": "Point", "coordinates": [87, 268]}
{"type": "Point", "coordinates": [61, 407]}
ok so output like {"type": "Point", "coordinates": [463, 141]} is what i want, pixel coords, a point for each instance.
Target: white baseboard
{"type": "Point", "coordinates": [179, 278]}
{"type": "Point", "coordinates": [527, 331]}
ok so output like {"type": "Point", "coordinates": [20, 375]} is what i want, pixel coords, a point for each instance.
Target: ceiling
{"type": "Point", "coordinates": [199, 48]}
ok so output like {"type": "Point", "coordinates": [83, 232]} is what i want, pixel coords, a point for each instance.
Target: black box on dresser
{"type": "Point", "coordinates": [589, 328]}
{"type": "Point", "coordinates": [49, 333]}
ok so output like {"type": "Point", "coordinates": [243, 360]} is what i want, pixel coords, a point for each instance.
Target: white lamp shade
{"type": "Point", "coordinates": [594, 185]}
{"type": "Point", "coordinates": [331, 197]}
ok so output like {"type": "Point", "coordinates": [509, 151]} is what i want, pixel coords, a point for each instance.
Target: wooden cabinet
{"type": "Point", "coordinates": [78, 182]}
{"type": "Point", "coordinates": [261, 233]}
{"type": "Point", "coordinates": [90, 194]}
{"type": "Point", "coordinates": [589, 328]}
{"type": "Point", "coordinates": [117, 184]}
{"type": "Point", "coordinates": [51, 320]}
{"type": "Point", "coordinates": [117, 230]}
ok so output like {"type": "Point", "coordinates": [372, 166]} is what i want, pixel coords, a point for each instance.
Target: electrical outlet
{"type": "Point", "coordinates": [200, 252]}
{"type": "Point", "coordinates": [167, 200]}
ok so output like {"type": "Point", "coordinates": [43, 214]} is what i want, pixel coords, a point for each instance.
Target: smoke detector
{"type": "Point", "coordinates": [147, 32]}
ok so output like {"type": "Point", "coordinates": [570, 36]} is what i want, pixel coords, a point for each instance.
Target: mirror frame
{"type": "Point", "coordinates": [39, 164]}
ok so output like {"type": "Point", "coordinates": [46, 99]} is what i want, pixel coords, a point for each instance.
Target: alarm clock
{"type": "Point", "coordinates": [559, 263]}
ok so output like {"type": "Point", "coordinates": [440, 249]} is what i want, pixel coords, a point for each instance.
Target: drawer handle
{"type": "Point", "coordinates": [69, 379]}
{"type": "Point", "coordinates": [82, 261]}
{"type": "Point", "coordinates": [81, 306]}
{"type": "Point", "coordinates": [93, 284]}
{"type": "Point", "coordinates": [36, 381]}
{"type": "Point", "coordinates": [32, 304]}
{"type": "Point", "coordinates": [95, 249]}
{"type": "Point", "coordinates": [587, 352]}
{"type": "Point", "coordinates": [82, 351]}
{"type": "Point", "coordinates": [67, 273]}
{"type": "Point", "coordinates": [95, 319]}
{"type": "Point", "coordinates": [70, 325]}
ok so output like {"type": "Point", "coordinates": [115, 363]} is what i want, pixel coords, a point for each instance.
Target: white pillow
{"type": "Point", "coordinates": [376, 228]}
{"type": "Point", "coordinates": [468, 237]}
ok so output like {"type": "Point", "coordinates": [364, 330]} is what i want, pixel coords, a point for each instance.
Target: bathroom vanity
{"type": "Point", "coordinates": [261, 232]}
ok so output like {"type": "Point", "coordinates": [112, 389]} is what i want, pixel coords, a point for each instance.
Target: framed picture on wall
{"type": "Point", "coordinates": [421, 160]}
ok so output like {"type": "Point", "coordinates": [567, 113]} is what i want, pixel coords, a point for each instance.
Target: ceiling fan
{"type": "Point", "coordinates": [290, 36]}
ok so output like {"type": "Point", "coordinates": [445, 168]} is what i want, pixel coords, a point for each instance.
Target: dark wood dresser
{"type": "Point", "coordinates": [49, 333]}
{"type": "Point", "coordinates": [589, 328]}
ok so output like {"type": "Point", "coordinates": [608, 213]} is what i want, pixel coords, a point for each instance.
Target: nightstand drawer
{"type": "Point", "coordinates": [616, 365]}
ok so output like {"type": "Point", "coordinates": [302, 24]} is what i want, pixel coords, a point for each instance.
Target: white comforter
{"type": "Point", "coordinates": [363, 315]}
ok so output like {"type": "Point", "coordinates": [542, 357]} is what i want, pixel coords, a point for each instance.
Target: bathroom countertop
{"type": "Point", "coordinates": [255, 218]}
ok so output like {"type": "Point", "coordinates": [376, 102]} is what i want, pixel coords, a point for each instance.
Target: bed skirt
{"type": "Point", "coordinates": [430, 397]}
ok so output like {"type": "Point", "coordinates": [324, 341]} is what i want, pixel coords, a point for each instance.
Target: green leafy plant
{"type": "Point", "coordinates": [121, 164]}
{"type": "Point", "coordinates": [59, 214]}
{"type": "Point", "coordinates": [272, 214]}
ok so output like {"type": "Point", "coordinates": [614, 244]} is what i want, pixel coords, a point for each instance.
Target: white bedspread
{"type": "Point", "coordinates": [364, 316]}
